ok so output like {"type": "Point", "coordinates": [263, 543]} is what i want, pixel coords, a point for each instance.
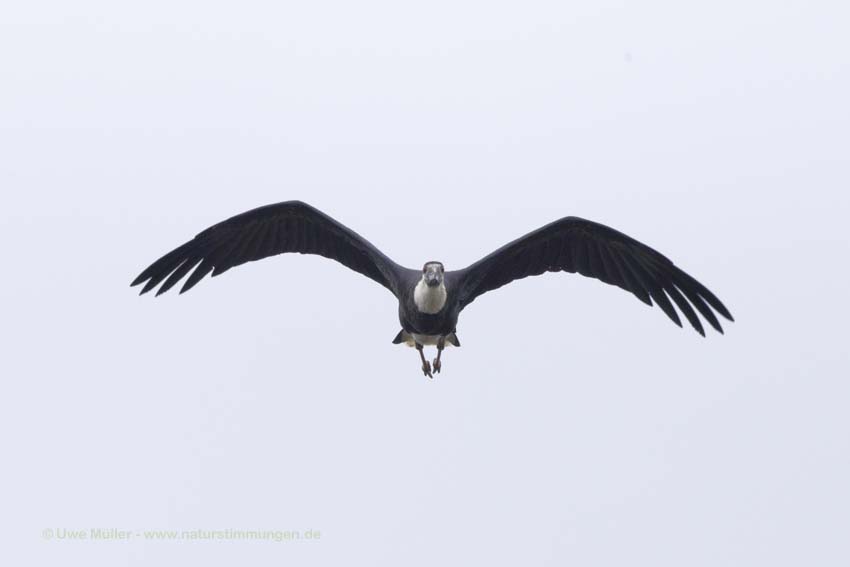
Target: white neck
{"type": "Point", "coordinates": [429, 299]}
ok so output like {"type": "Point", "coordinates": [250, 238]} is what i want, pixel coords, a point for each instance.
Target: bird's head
{"type": "Point", "coordinates": [432, 274]}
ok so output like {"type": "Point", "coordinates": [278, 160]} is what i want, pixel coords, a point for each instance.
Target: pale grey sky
{"type": "Point", "coordinates": [575, 426]}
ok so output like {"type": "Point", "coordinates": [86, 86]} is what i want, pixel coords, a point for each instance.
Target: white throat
{"type": "Point", "coordinates": [429, 299]}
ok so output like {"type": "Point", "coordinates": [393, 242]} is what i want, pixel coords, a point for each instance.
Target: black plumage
{"type": "Point", "coordinates": [576, 245]}
{"type": "Point", "coordinates": [570, 244]}
{"type": "Point", "coordinates": [266, 231]}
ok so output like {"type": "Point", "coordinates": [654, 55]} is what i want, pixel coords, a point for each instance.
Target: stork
{"type": "Point", "coordinates": [430, 299]}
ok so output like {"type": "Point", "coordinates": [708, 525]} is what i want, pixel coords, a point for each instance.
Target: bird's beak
{"type": "Point", "coordinates": [432, 279]}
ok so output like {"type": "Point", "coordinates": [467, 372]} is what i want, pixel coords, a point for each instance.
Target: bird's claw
{"type": "Point", "coordinates": [437, 365]}
{"type": "Point", "coordinates": [426, 369]}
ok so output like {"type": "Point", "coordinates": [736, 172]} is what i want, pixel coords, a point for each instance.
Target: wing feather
{"type": "Point", "coordinates": [685, 308]}
{"type": "Point", "coordinates": [178, 274]}
{"type": "Point", "coordinates": [594, 250]}
{"type": "Point", "coordinates": [291, 226]}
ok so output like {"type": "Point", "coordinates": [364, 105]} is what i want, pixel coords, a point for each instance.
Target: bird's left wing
{"type": "Point", "coordinates": [572, 244]}
{"type": "Point", "coordinates": [291, 226]}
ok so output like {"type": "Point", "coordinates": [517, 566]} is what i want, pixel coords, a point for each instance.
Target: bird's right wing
{"type": "Point", "coordinates": [291, 226]}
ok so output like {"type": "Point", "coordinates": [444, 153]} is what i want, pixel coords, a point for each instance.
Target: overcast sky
{"type": "Point", "coordinates": [575, 426]}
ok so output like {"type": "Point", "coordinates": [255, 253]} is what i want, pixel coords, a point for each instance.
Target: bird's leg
{"type": "Point", "coordinates": [441, 344]}
{"type": "Point", "coordinates": [426, 366]}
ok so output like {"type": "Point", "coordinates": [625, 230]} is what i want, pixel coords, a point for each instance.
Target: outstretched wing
{"type": "Point", "coordinates": [574, 245]}
{"type": "Point", "coordinates": [291, 226]}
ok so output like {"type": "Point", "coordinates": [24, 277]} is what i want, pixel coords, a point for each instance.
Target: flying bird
{"type": "Point", "coordinates": [430, 299]}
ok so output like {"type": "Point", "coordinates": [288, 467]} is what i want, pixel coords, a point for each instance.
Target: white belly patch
{"type": "Point", "coordinates": [425, 340]}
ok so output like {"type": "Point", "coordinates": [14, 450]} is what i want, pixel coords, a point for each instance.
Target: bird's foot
{"type": "Point", "coordinates": [437, 365]}
{"type": "Point", "coordinates": [426, 369]}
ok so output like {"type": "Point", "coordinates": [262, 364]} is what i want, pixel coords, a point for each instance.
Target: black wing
{"type": "Point", "coordinates": [574, 245]}
{"type": "Point", "coordinates": [291, 226]}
